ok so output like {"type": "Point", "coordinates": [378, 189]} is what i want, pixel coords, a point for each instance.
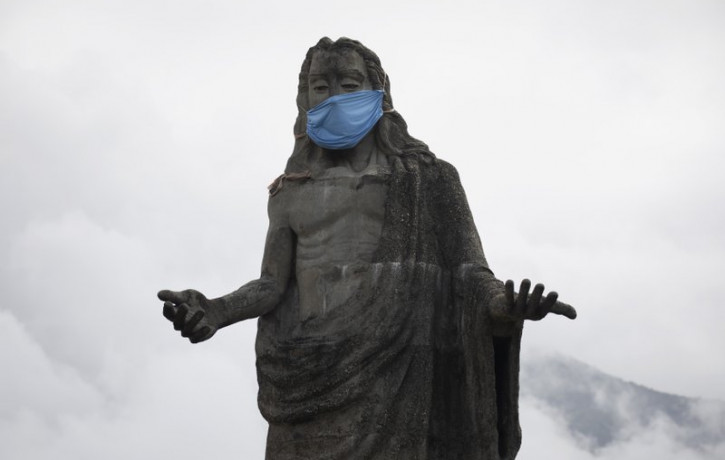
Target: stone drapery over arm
{"type": "Point", "coordinates": [462, 248]}
{"type": "Point", "coordinates": [489, 347]}
{"type": "Point", "coordinates": [476, 358]}
{"type": "Point", "coordinates": [410, 367]}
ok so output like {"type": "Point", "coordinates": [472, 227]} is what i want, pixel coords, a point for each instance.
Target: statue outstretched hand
{"type": "Point", "coordinates": [525, 305]}
{"type": "Point", "coordinates": [192, 314]}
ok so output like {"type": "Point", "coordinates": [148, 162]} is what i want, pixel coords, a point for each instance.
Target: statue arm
{"type": "Point", "coordinates": [462, 244]}
{"type": "Point", "coordinates": [260, 296]}
{"type": "Point", "coordinates": [198, 318]}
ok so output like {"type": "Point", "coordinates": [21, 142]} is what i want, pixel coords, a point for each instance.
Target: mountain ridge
{"type": "Point", "coordinates": [600, 410]}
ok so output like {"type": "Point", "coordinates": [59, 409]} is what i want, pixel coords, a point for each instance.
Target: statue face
{"type": "Point", "coordinates": [336, 72]}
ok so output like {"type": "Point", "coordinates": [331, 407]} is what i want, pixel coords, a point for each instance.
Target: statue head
{"type": "Point", "coordinates": [391, 131]}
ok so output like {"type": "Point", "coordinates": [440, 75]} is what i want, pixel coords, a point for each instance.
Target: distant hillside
{"type": "Point", "coordinates": [599, 409]}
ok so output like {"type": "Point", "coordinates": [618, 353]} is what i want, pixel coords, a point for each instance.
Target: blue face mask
{"type": "Point", "coordinates": [340, 122]}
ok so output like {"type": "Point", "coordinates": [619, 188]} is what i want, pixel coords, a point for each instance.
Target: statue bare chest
{"type": "Point", "coordinates": [338, 219]}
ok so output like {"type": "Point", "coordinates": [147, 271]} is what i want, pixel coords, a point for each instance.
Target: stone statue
{"type": "Point", "coordinates": [382, 332]}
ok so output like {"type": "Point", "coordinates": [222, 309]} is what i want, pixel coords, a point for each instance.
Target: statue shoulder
{"type": "Point", "coordinates": [445, 168]}
{"type": "Point", "coordinates": [443, 185]}
{"type": "Point", "coordinates": [432, 172]}
{"type": "Point", "coordinates": [281, 199]}
{"type": "Point", "coordinates": [279, 182]}
{"type": "Point", "coordinates": [439, 170]}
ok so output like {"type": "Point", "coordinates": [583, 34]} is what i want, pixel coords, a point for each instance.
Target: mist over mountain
{"type": "Point", "coordinates": [601, 412]}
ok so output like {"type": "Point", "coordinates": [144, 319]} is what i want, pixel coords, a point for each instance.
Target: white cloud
{"type": "Point", "coordinates": [658, 442]}
{"type": "Point", "coordinates": [545, 436]}
{"type": "Point", "coordinates": [37, 384]}
{"type": "Point", "coordinates": [182, 403]}
{"type": "Point", "coordinates": [78, 287]}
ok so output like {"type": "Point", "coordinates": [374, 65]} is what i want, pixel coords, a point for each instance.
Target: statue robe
{"type": "Point", "coordinates": [412, 367]}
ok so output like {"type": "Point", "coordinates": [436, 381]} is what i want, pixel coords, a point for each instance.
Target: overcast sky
{"type": "Point", "coordinates": [137, 140]}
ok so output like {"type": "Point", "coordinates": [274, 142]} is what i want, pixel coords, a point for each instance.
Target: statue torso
{"type": "Point", "coordinates": [337, 218]}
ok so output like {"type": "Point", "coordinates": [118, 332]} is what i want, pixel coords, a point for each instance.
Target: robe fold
{"type": "Point", "coordinates": [412, 366]}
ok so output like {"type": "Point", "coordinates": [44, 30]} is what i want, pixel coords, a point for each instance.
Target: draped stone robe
{"type": "Point", "coordinates": [412, 366]}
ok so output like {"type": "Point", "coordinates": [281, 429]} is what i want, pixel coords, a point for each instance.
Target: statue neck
{"type": "Point", "coordinates": [356, 158]}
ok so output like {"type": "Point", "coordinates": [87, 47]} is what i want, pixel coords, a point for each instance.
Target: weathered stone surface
{"type": "Point", "coordinates": [382, 332]}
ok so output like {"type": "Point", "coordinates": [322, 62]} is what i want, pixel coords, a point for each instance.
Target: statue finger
{"type": "Point", "coordinates": [543, 308]}
{"type": "Point", "coordinates": [550, 300]}
{"type": "Point", "coordinates": [177, 297]}
{"type": "Point", "coordinates": [535, 298]}
{"type": "Point", "coordinates": [202, 334]}
{"type": "Point", "coordinates": [169, 311]}
{"type": "Point", "coordinates": [561, 308]}
{"type": "Point", "coordinates": [191, 324]}
{"type": "Point", "coordinates": [522, 297]}
{"type": "Point", "coordinates": [180, 317]}
{"type": "Point", "coordinates": [509, 292]}
{"type": "Point", "coordinates": [540, 309]}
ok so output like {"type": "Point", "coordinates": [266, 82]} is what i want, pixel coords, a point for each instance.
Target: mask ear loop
{"type": "Point", "coordinates": [385, 80]}
{"type": "Point", "coordinates": [299, 136]}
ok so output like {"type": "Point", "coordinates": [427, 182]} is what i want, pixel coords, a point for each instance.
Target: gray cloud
{"type": "Point", "coordinates": [546, 436]}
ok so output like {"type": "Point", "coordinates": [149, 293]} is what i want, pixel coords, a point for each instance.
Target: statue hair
{"type": "Point", "coordinates": [391, 131]}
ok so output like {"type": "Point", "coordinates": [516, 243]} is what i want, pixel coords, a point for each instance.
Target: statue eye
{"type": "Point", "coordinates": [320, 88]}
{"type": "Point", "coordinates": [350, 86]}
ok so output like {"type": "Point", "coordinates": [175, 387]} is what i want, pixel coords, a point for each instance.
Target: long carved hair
{"type": "Point", "coordinates": [391, 131]}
